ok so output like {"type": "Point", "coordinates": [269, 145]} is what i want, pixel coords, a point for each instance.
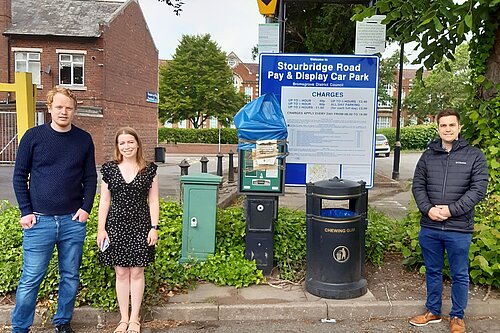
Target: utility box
{"type": "Point", "coordinates": [199, 215]}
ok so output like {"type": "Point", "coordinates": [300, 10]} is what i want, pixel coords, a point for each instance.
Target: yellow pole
{"type": "Point", "coordinates": [25, 101]}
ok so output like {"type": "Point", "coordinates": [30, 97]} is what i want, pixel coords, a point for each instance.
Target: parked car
{"type": "Point", "coordinates": [382, 145]}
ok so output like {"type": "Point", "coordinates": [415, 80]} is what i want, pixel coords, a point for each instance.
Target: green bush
{"type": "Point", "coordinates": [379, 236]}
{"type": "Point", "coordinates": [228, 266]}
{"type": "Point", "coordinates": [412, 137]}
{"type": "Point", "coordinates": [203, 135]}
{"type": "Point", "coordinates": [290, 244]}
{"type": "Point", "coordinates": [484, 252]}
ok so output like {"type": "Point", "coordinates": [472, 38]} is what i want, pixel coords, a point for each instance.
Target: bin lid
{"type": "Point", "coordinates": [201, 178]}
{"type": "Point", "coordinates": [336, 187]}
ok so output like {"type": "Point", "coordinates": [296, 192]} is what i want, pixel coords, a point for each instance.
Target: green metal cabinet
{"type": "Point", "coordinates": [199, 215]}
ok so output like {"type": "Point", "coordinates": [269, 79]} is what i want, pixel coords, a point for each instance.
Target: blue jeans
{"type": "Point", "coordinates": [433, 243]}
{"type": "Point", "coordinates": [38, 246]}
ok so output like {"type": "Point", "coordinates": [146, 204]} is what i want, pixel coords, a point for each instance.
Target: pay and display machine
{"type": "Point", "coordinates": [262, 135]}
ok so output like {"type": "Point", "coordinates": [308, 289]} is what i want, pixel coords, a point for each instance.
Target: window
{"type": "Point", "coordinates": [181, 124]}
{"type": "Point", "coordinates": [383, 122]}
{"type": "Point", "coordinates": [29, 62]}
{"type": "Point", "coordinates": [213, 122]}
{"type": "Point", "coordinates": [71, 69]}
{"type": "Point", "coordinates": [388, 90]}
{"type": "Point", "coordinates": [249, 92]}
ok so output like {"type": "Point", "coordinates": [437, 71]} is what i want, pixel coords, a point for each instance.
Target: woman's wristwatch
{"type": "Point", "coordinates": [156, 227]}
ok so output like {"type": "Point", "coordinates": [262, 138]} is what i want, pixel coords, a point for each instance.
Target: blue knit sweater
{"type": "Point", "coordinates": [55, 172]}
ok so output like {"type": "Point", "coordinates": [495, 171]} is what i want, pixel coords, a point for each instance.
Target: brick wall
{"type": "Point", "coordinates": [5, 20]}
{"type": "Point", "coordinates": [130, 71]}
{"type": "Point", "coordinates": [120, 67]}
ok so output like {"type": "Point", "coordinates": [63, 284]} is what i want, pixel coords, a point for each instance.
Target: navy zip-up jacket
{"type": "Point", "coordinates": [458, 178]}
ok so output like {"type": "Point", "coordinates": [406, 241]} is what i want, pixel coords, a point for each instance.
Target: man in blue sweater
{"type": "Point", "coordinates": [55, 183]}
{"type": "Point", "coordinates": [450, 178]}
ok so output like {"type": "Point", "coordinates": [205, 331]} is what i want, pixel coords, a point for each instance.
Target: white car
{"type": "Point", "coordinates": [382, 145]}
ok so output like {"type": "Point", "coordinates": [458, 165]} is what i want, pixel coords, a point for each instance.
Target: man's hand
{"type": "Point", "coordinates": [81, 216]}
{"type": "Point", "coordinates": [28, 221]}
{"type": "Point", "coordinates": [436, 214]}
{"type": "Point", "coordinates": [445, 210]}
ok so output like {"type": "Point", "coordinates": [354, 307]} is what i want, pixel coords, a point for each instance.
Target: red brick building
{"type": "Point", "coordinates": [387, 113]}
{"type": "Point", "coordinates": [102, 50]}
{"type": "Point", "coordinates": [245, 76]}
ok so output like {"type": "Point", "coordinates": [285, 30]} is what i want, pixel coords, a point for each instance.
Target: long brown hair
{"type": "Point", "coordinates": [141, 162]}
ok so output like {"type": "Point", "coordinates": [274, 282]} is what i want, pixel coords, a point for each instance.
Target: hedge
{"type": "Point", "coordinates": [412, 137]}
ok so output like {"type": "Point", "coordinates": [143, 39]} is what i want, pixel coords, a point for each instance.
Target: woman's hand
{"type": "Point", "coordinates": [101, 236]}
{"type": "Point", "coordinates": [152, 237]}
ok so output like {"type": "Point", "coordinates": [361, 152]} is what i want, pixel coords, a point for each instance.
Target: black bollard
{"type": "Point", "coordinates": [204, 164]}
{"type": "Point", "coordinates": [230, 177]}
{"type": "Point", "coordinates": [184, 165]}
{"type": "Point", "coordinates": [219, 164]}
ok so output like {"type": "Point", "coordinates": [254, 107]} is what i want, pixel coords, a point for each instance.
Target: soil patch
{"type": "Point", "coordinates": [395, 282]}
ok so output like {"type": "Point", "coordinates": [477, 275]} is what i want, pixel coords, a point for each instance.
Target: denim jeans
{"type": "Point", "coordinates": [433, 243]}
{"type": "Point", "coordinates": [38, 246]}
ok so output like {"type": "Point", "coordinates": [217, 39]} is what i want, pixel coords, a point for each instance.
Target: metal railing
{"type": "Point", "coordinates": [8, 137]}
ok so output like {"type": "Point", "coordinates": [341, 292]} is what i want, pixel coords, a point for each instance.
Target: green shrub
{"type": "Point", "coordinates": [412, 137]}
{"type": "Point", "coordinates": [379, 236]}
{"type": "Point", "coordinates": [11, 239]}
{"type": "Point", "coordinates": [202, 135]}
{"type": "Point", "coordinates": [290, 244]}
{"type": "Point", "coordinates": [227, 266]}
{"type": "Point", "coordinates": [484, 251]}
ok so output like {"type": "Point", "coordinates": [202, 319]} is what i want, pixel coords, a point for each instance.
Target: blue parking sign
{"type": "Point", "coordinates": [330, 105]}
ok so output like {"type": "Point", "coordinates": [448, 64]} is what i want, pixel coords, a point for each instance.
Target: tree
{"type": "Point", "coordinates": [177, 4]}
{"type": "Point", "coordinates": [319, 28]}
{"type": "Point", "coordinates": [388, 69]}
{"type": "Point", "coordinates": [442, 88]}
{"type": "Point", "coordinates": [439, 27]}
{"type": "Point", "coordinates": [197, 84]}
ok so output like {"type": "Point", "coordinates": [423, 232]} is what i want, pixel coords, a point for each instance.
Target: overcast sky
{"type": "Point", "coordinates": [232, 24]}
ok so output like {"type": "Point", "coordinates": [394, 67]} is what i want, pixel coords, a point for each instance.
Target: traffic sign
{"type": "Point", "coordinates": [267, 7]}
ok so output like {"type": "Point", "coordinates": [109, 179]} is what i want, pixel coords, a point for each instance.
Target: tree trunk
{"type": "Point", "coordinates": [493, 66]}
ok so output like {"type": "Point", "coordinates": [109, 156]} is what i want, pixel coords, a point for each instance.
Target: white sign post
{"type": "Point", "coordinates": [370, 35]}
{"type": "Point", "coordinates": [269, 38]}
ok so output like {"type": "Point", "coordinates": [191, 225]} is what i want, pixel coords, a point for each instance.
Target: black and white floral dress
{"type": "Point", "coordinates": [129, 221]}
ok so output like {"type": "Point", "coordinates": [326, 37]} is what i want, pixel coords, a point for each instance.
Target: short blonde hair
{"type": "Point", "coordinates": [59, 90]}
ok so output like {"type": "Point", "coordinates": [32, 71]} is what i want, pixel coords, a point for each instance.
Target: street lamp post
{"type": "Point", "coordinates": [397, 145]}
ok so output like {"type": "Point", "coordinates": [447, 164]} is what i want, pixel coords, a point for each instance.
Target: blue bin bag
{"type": "Point", "coordinates": [261, 119]}
{"type": "Point", "coordinates": [337, 212]}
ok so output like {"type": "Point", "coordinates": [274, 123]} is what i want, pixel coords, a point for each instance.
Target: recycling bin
{"type": "Point", "coordinates": [200, 192]}
{"type": "Point", "coordinates": [335, 238]}
{"type": "Point", "coordinates": [160, 154]}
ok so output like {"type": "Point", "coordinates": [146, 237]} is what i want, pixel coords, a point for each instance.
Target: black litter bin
{"type": "Point", "coordinates": [335, 238]}
{"type": "Point", "coordinates": [160, 154]}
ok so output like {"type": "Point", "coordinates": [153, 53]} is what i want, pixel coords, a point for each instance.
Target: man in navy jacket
{"type": "Point", "coordinates": [450, 178]}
